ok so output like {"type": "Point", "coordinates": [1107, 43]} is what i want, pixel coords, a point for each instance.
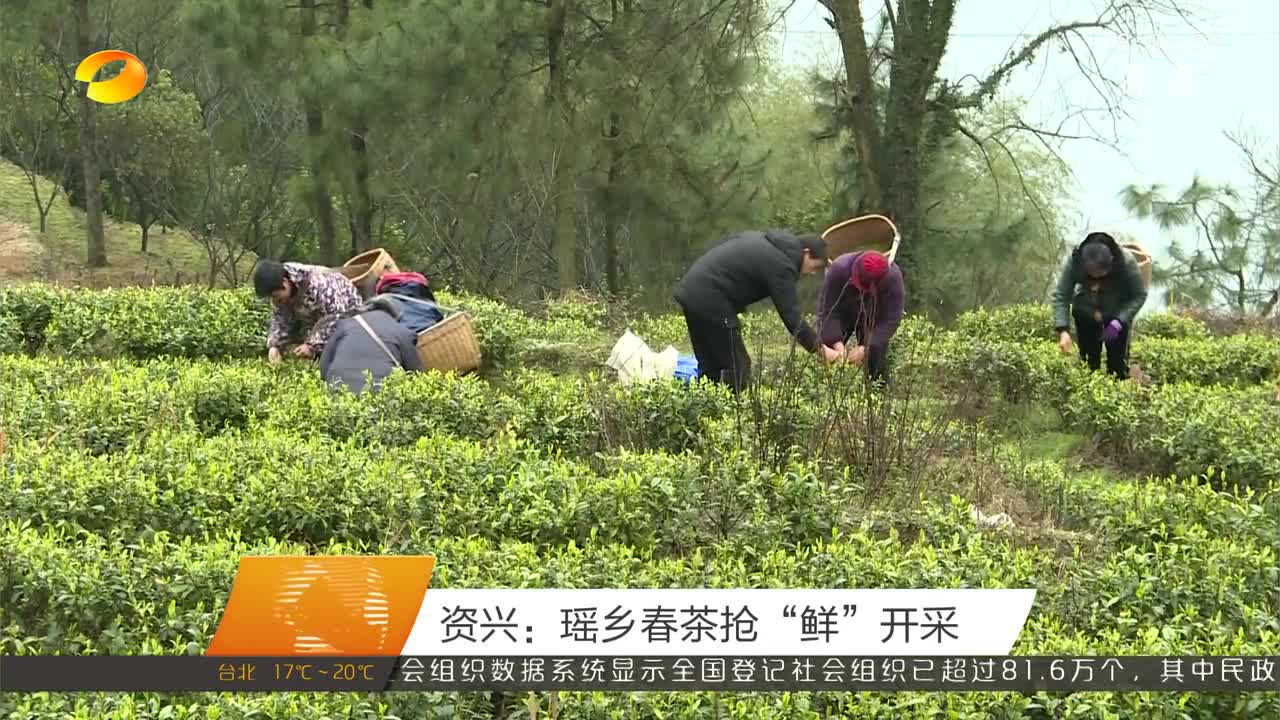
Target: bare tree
{"type": "Point", "coordinates": [898, 110]}
{"type": "Point", "coordinates": [30, 129]}
{"type": "Point", "coordinates": [243, 207]}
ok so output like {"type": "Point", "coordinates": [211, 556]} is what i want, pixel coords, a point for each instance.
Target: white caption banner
{"type": "Point", "coordinates": [608, 622]}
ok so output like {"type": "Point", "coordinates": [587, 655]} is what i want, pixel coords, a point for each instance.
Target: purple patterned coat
{"type": "Point", "coordinates": [320, 296]}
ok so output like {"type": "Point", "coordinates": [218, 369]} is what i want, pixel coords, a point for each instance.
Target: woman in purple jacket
{"type": "Point", "coordinates": [862, 299]}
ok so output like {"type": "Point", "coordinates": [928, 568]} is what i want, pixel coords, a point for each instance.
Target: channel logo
{"type": "Point", "coordinates": [124, 86]}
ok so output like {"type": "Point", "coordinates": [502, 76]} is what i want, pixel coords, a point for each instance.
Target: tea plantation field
{"type": "Point", "coordinates": [147, 446]}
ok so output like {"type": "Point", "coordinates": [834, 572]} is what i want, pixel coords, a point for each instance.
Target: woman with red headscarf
{"type": "Point", "coordinates": [863, 300]}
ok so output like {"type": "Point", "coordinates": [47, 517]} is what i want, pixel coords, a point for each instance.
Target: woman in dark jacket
{"type": "Point", "coordinates": [368, 346]}
{"type": "Point", "coordinates": [1101, 288]}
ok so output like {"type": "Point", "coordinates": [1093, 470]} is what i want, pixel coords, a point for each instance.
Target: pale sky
{"type": "Point", "coordinates": [1225, 76]}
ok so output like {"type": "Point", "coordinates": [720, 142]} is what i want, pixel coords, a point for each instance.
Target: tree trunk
{"type": "Point", "coordinates": [145, 224]}
{"type": "Point", "coordinates": [612, 221]}
{"type": "Point", "coordinates": [315, 136]}
{"type": "Point", "coordinates": [361, 205]}
{"type": "Point", "coordinates": [90, 167]}
{"type": "Point", "coordinates": [612, 209]}
{"type": "Point", "coordinates": [362, 210]}
{"type": "Point", "coordinates": [564, 242]}
{"type": "Point", "coordinates": [861, 90]}
{"type": "Point", "coordinates": [891, 159]}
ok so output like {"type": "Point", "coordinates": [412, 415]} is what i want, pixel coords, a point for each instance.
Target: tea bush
{"type": "Point", "coordinates": [281, 486]}
{"type": "Point", "coordinates": [160, 594]}
{"type": "Point", "coordinates": [576, 317]}
{"type": "Point", "coordinates": [1171, 325]}
{"type": "Point", "coordinates": [1232, 360]}
{"type": "Point", "coordinates": [1010, 323]}
{"type": "Point", "coordinates": [129, 488]}
{"type": "Point", "coordinates": [101, 405]}
{"type": "Point", "coordinates": [32, 306]}
{"type": "Point", "coordinates": [192, 322]}
{"type": "Point", "coordinates": [659, 331]}
{"type": "Point", "coordinates": [1182, 429]}
{"type": "Point", "coordinates": [1223, 323]}
{"type": "Point", "coordinates": [144, 323]}
{"type": "Point", "coordinates": [11, 339]}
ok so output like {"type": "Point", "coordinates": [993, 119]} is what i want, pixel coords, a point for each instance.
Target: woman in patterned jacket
{"type": "Point", "coordinates": [307, 302]}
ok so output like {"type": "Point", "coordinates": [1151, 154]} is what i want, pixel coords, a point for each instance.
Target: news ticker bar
{"type": "Point", "coordinates": [155, 673]}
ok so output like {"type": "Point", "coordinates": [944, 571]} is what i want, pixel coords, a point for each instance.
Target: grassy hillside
{"type": "Point", "coordinates": [58, 255]}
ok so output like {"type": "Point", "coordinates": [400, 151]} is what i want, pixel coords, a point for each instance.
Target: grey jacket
{"type": "Point", "coordinates": [350, 353]}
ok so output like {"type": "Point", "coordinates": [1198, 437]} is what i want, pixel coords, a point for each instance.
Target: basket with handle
{"type": "Point", "coordinates": [364, 270]}
{"type": "Point", "coordinates": [866, 232]}
{"type": "Point", "coordinates": [1131, 245]}
{"type": "Point", "coordinates": [1136, 249]}
{"type": "Point", "coordinates": [450, 345]}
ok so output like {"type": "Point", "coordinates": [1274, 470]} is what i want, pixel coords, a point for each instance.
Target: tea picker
{"type": "Point", "coordinates": [446, 338]}
{"type": "Point", "coordinates": [1101, 287]}
{"type": "Point", "coordinates": [863, 296]}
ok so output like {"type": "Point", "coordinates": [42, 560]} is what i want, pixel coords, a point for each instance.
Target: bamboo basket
{"type": "Point", "coordinates": [365, 269]}
{"type": "Point", "coordinates": [867, 232]}
{"type": "Point", "coordinates": [1143, 257]}
{"type": "Point", "coordinates": [450, 345]}
{"type": "Point", "coordinates": [1130, 244]}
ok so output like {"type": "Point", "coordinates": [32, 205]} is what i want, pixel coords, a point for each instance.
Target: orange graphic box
{"type": "Point", "coordinates": [322, 605]}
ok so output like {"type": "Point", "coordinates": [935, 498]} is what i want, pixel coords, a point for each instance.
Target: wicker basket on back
{"type": "Point", "coordinates": [867, 232]}
{"type": "Point", "coordinates": [1136, 249]}
{"type": "Point", "coordinates": [365, 269]}
{"type": "Point", "coordinates": [450, 345]}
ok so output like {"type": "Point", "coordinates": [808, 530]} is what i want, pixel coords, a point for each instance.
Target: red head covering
{"type": "Point", "coordinates": [868, 270]}
{"type": "Point", "coordinates": [398, 277]}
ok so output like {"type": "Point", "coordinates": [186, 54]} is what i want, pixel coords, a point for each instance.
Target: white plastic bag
{"type": "Point", "coordinates": [635, 361]}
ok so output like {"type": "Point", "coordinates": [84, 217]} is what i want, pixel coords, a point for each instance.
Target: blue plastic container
{"type": "Point", "coordinates": [686, 368]}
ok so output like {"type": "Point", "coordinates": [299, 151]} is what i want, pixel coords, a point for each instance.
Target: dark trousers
{"type": "Point", "coordinates": [1089, 338]}
{"type": "Point", "coordinates": [717, 343]}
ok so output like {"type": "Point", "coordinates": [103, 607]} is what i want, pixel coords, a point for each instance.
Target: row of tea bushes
{"type": "Point", "coordinates": [1029, 322]}
{"type": "Point", "coordinates": [682, 705]}
{"type": "Point", "coordinates": [1158, 539]}
{"type": "Point", "coordinates": [1207, 574]}
{"type": "Point", "coordinates": [1182, 429]}
{"type": "Point", "coordinates": [107, 406]}
{"type": "Point", "coordinates": [100, 594]}
{"type": "Point", "coordinates": [274, 485]}
{"type": "Point", "coordinates": [1230, 360]}
{"type": "Point", "coordinates": [1018, 370]}
{"type": "Point", "coordinates": [190, 322]}
{"type": "Point", "coordinates": [143, 323]}
{"type": "Point", "coordinates": [1175, 427]}
{"type": "Point", "coordinates": [1110, 509]}
{"type": "Point", "coordinates": [138, 322]}
{"type": "Point", "coordinates": [80, 592]}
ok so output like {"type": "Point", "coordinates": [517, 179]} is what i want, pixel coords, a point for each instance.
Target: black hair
{"type": "Point", "coordinates": [1096, 255]}
{"type": "Point", "coordinates": [816, 246]}
{"type": "Point", "coordinates": [268, 276]}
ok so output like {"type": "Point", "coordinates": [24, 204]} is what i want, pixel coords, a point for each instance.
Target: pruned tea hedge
{"type": "Point", "coordinates": [146, 446]}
